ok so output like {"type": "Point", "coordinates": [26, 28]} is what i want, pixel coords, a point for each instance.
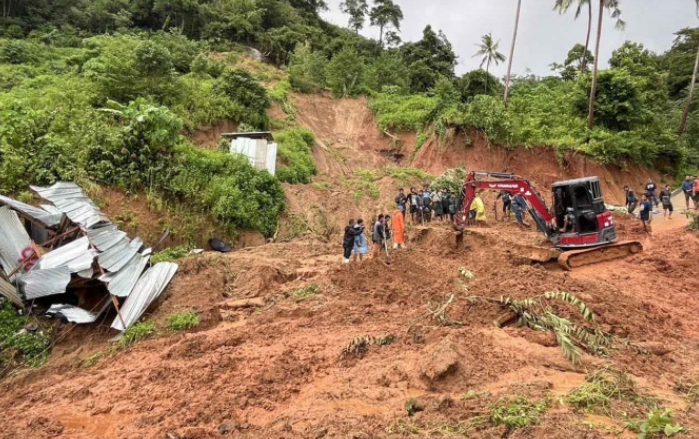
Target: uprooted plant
{"type": "Point", "coordinates": [359, 346]}
{"type": "Point", "coordinates": [538, 313]}
{"type": "Point", "coordinates": [603, 387]}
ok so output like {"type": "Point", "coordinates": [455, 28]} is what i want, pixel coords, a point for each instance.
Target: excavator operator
{"type": "Point", "coordinates": [568, 221]}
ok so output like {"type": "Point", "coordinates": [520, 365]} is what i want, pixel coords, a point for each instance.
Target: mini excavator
{"type": "Point", "coordinates": [591, 237]}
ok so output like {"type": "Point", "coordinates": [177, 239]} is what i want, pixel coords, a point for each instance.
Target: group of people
{"type": "Point", "coordinates": [649, 200]}
{"type": "Point", "coordinates": [427, 204]}
{"type": "Point", "coordinates": [385, 228]}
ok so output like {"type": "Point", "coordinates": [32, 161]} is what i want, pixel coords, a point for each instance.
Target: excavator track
{"type": "Point", "coordinates": [573, 259]}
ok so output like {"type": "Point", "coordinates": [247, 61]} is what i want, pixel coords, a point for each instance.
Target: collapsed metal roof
{"type": "Point", "coordinates": [15, 244]}
{"type": "Point", "coordinates": [147, 289]}
{"type": "Point", "coordinates": [94, 252]}
{"type": "Point", "coordinates": [70, 199]}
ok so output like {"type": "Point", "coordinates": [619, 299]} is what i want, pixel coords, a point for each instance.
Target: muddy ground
{"type": "Point", "coordinates": [362, 354]}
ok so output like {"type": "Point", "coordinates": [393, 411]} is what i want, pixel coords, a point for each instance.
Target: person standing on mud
{"type": "Point", "coordinates": [446, 197]}
{"type": "Point", "coordinates": [646, 209]}
{"type": "Point", "coordinates": [687, 187]}
{"type": "Point", "coordinates": [650, 192]}
{"type": "Point", "coordinates": [695, 192]}
{"type": "Point", "coordinates": [436, 198]}
{"type": "Point", "coordinates": [401, 201]}
{"type": "Point", "coordinates": [377, 236]}
{"type": "Point", "coordinates": [453, 207]}
{"type": "Point", "coordinates": [519, 205]}
{"type": "Point", "coordinates": [361, 246]}
{"type": "Point", "coordinates": [348, 242]}
{"type": "Point", "coordinates": [506, 203]}
{"type": "Point", "coordinates": [666, 200]}
{"type": "Point", "coordinates": [631, 200]}
{"type": "Point", "coordinates": [413, 199]}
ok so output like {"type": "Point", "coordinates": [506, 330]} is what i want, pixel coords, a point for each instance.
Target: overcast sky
{"type": "Point", "coordinates": [544, 36]}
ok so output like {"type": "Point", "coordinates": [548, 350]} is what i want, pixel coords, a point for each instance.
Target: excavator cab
{"type": "Point", "coordinates": [582, 198]}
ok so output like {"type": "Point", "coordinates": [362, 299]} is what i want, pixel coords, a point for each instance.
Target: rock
{"type": "Point", "coordinates": [441, 361]}
{"type": "Point", "coordinates": [227, 427]}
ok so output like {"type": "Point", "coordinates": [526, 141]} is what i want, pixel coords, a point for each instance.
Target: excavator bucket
{"type": "Point", "coordinates": [573, 259]}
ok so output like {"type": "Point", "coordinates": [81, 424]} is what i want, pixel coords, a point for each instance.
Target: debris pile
{"type": "Point", "coordinates": [80, 255]}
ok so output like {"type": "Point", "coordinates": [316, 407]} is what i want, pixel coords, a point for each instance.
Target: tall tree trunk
{"type": "Point", "coordinates": [593, 91]}
{"type": "Point", "coordinates": [690, 98]}
{"type": "Point", "coordinates": [512, 53]}
{"type": "Point", "coordinates": [381, 36]}
{"type": "Point", "coordinates": [487, 74]}
{"type": "Point", "coordinates": [583, 61]}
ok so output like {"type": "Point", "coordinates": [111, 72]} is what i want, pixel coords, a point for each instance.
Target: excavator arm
{"type": "Point", "coordinates": [515, 185]}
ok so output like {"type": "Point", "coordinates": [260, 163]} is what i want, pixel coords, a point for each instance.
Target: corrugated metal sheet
{"type": "Point", "coordinates": [260, 154]}
{"type": "Point", "coordinates": [9, 292]}
{"type": "Point", "coordinates": [72, 313]}
{"type": "Point", "coordinates": [47, 217]}
{"type": "Point", "coordinates": [122, 283]}
{"type": "Point", "coordinates": [70, 199]}
{"type": "Point", "coordinates": [107, 237]}
{"type": "Point", "coordinates": [13, 240]}
{"type": "Point", "coordinates": [76, 256]}
{"type": "Point", "coordinates": [120, 255]}
{"type": "Point", "coordinates": [147, 289]}
{"type": "Point", "coordinates": [42, 283]}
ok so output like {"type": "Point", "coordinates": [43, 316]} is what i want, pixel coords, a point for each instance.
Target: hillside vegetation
{"type": "Point", "coordinates": [103, 91]}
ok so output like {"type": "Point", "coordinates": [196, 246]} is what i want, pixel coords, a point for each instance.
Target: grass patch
{"type": "Point", "coordinates": [18, 347]}
{"type": "Point", "coordinates": [182, 321]}
{"type": "Point", "coordinates": [137, 332]}
{"type": "Point", "coordinates": [605, 386]}
{"type": "Point", "coordinates": [307, 292]}
{"type": "Point", "coordinates": [659, 423]}
{"type": "Point", "coordinates": [170, 254]}
{"type": "Point", "coordinates": [517, 412]}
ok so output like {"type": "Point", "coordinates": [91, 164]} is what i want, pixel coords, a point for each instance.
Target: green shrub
{"type": "Point", "coordinates": [517, 412]}
{"type": "Point", "coordinates": [658, 424]}
{"type": "Point", "coordinates": [182, 321]}
{"type": "Point", "coordinates": [403, 113]}
{"type": "Point", "coordinates": [295, 152]}
{"type": "Point", "coordinates": [241, 87]}
{"type": "Point", "coordinates": [137, 332]}
{"type": "Point", "coordinates": [307, 69]}
{"type": "Point", "coordinates": [17, 52]}
{"type": "Point", "coordinates": [345, 72]}
{"type": "Point", "coordinates": [170, 254]}
{"type": "Point", "coordinates": [19, 347]}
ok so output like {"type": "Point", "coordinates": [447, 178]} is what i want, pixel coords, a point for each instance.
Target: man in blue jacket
{"type": "Point", "coordinates": [687, 186]}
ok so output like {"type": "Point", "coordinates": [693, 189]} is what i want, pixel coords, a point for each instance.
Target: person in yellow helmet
{"type": "Point", "coordinates": [477, 210]}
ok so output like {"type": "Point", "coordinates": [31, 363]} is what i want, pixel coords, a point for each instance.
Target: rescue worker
{"type": "Point", "coordinates": [631, 200]}
{"type": "Point", "coordinates": [519, 205]}
{"type": "Point", "coordinates": [646, 209]}
{"type": "Point", "coordinates": [398, 230]}
{"type": "Point", "coordinates": [401, 201]}
{"type": "Point", "coordinates": [477, 209]}
{"type": "Point", "coordinates": [378, 236]}
{"type": "Point", "coordinates": [568, 221]}
{"type": "Point", "coordinates": [348, 240]}
{"type": "Point", "coordinates": [506, 203]}
{"type": "Point", "coordinates": [666, 200]}
{"type": "Point", "coordinates": [446, 197]}
{"type": "Point", "coordinates": [453, 206]}
{"type": "Point", "coordinates": [650, 192]}
{"type": "Point", "coordinates": [413, 200]}
{"type": "Point", "coordinates": [687, 186]}
{"type": "Point", "coordinates": [361, 246]}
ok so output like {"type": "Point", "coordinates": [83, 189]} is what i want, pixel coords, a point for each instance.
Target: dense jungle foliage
{"type": "Point", "coordinates": [106, 91]}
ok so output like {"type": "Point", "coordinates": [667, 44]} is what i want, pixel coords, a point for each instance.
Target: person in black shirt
{"type": "Point", "coordinates": [348, 241]}
{"type": "Point", "coordinates": [666, 199]}
{"type": "Point", "coordinates": [506, 202]}
{"type": "Point", "coordinates": [631, 200]}
{"type": "Point", "coordinates": [650, 192]}
{"type": "Point", "coordinates": [401, 201]}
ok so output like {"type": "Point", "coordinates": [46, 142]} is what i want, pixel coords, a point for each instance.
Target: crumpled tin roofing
{"type": "Point", "coordinates": [147, 289]}
{"type": "Point", "coordinates": [76, 256]}
{"type": "Point", "coordinates": [13, 240]}
{"type": "Point", "coordinates": [70, 199]}
{"type": "Point", "coordinates": [42, 214]}
{"type": "Point", "coordinates": [42, 283]}
{"type": "Point", "coordinates": [106, 237]}
{"type": "Point", "coordinates": [72, 313]}
{"type": "Point", "coordinates": [122, 283]}
{"type": "Point", "coordinates": [120, 255]}
{"type": "Point", "coordinates": [8, 291]}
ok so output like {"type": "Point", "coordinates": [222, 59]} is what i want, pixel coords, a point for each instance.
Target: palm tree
{"type": "Point", "coordinates": [385, 13]}
{"type": "Point", "coordinates": [692, 88]}
{"type": "Point", "coordinates": [612, 5]}
{"type": "Point", "coordinates": [488, 49]}
{"type": "Point", "coordinates": [562, 7]}
{"type": "Point", "coordinates": [512, 53]}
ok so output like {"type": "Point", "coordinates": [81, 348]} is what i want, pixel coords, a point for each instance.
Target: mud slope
{"type": "Point", "coordinates": [278, 371]}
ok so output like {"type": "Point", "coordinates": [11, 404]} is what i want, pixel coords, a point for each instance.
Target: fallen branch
{"type": "Point", "coordinates": [438, 313]}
